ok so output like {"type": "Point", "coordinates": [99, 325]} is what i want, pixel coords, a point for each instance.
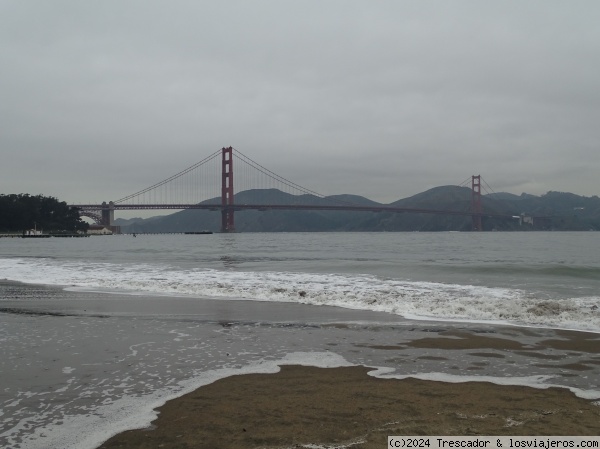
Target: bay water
{"type": "Point", "coordinates": [96, 332]}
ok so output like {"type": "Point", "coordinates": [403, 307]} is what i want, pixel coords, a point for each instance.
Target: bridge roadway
{"type": "Point", "coordinates": [264, 207]}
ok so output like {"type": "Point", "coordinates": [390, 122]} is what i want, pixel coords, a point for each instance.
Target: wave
{"type": "Point", "coordinates": [416, 300]}
{"type": "Point", "coordinates": [554, 271]}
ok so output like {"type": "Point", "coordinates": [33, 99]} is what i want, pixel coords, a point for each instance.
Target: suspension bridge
{"type": "Point", "coordinates": [209, 184]}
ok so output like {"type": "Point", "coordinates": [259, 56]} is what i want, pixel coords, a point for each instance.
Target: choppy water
{"type": "Point", "coordinates": [539, 279]}
{"type": "Point", "coordinates": [97, 332]}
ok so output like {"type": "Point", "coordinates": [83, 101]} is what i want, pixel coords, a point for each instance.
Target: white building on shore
{"type": "Point", "coordinates": [99, 230]}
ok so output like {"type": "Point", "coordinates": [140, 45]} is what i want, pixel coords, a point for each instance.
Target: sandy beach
{"type": "Point", "coordinates": [303, 406]}
{"type": "Point", "coordinates": [100, 364]}
{"type": "Point", "coordinates": [345, 407]}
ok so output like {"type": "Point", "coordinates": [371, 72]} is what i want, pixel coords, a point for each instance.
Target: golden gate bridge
{"type": "Point", "coordinates": [209, 184]}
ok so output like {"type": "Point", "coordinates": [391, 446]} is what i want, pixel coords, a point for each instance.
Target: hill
{"type": "Point", "coordinates": [259, 221]}
{"type": "Point", "coordinates": [563, 211]}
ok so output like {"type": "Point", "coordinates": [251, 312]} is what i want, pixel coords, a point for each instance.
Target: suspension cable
{"type": "Point", "coordinates": [287, 182]}
{"type": "Point", "coordinates": [275, 176]}
{"type": "Point", "coordinates": [465, 182]}
{"type": "Point", "coordinates": [171, 178]}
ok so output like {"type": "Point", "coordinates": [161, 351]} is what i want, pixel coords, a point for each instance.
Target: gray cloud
{"type": "Point", "coordinates": [381, 98]}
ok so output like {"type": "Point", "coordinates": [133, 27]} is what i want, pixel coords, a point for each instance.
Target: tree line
{"type": "Point", "coordinates": [23, 211]}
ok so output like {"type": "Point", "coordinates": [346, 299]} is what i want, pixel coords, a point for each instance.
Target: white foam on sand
{"type": "Point", "coordinates": [539, 381]}
{"type": "Point", "coordinates": [414, 300]}
{"type": "Point", "coordinates": [89, 431]}
{"type": "Point", "coordinates": [126, 413]}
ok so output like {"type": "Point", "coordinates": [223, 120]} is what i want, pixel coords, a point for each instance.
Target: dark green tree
{"type": "Point", "coordinates": [24, 211]}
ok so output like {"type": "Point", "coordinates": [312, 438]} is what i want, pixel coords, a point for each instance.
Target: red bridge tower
{"type": "Point", "coordinates": [227, 224]}
{"type": "Point", "coordinates": [476, 208]}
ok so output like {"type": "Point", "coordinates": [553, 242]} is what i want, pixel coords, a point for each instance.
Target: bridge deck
{"type": "Point", "coordinates": [264, 207]}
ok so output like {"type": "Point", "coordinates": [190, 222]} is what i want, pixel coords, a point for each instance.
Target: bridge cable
{"type": "Point", "coordinates": [171, 178]}
{"type": "Point", "coordinates": [285, 181]}
{"type": "Point", "coordinates": [466, 182]}
{"type": "Point", "coordinates": [275, 176]}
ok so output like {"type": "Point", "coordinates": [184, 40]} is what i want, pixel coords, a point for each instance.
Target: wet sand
{"type": "Point", "coordinates": [114, 347]}
{"type": "Point", "coordinates": [345, 407]}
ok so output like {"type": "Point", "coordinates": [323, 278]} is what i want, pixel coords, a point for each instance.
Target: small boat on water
{"type": "Point", "coordinates": [34, 234]}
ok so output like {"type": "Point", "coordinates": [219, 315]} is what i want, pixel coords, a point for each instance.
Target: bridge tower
{"type": "Point", "coordinates": [476, 208]}
{"type": "Point", "coordinates": [108, 213]}
{"type": "Point", "coordinates": [227, 222]}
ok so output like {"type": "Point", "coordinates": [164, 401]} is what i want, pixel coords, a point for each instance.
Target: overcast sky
{"type": "Point", "coordinates": [385, 99]}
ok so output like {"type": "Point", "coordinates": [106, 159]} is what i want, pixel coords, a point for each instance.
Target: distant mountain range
{"type": "Point", "coordinates": [552, 211]}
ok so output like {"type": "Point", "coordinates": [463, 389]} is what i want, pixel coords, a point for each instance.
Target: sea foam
{"type": "Point", "coordinates": [414, 300]}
